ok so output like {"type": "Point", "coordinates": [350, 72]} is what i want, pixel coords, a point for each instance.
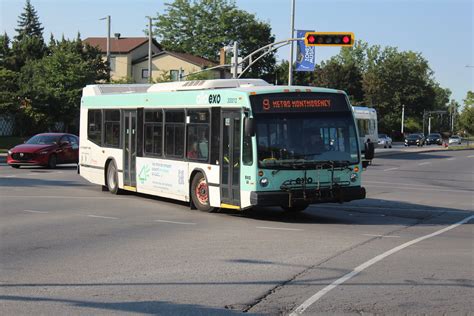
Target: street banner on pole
{"type": "Point", "coordinates": [305, 55]}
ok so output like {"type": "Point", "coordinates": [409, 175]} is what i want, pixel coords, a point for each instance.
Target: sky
{"type": "Point", "coordinates": [441, 30]}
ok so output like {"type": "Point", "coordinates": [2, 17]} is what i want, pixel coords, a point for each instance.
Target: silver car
{"type": "Point", "coordinates": [455, 139]}
{"type": "Point", "coordinates": [385, 141]}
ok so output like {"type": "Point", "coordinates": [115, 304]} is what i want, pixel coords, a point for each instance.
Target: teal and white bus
{"type": "Point", "coordinates": [366, 120]}
{"type": "Point", "coordinates": [226, 143]}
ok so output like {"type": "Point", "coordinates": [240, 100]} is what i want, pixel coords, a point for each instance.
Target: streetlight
{"type": "Point", "coordinates": [108, 40]}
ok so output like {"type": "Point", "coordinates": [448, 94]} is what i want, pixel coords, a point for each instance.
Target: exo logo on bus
{"type": "Point", "coordinates": [204, 98]}
{"type": "Point", "coordinates": [298, 181]}
{"type": "Point", "coordinates": [214, 98]}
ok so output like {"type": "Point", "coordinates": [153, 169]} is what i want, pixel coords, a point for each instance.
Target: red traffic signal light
{"type": "Point", "coordinates": [329, 39]}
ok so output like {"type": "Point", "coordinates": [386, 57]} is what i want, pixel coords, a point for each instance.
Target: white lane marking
{"type": "Point", "coordinates": [171, 222]}
{"type": "Point", "coordinates": [383, 236]}
{"type": "Point", "coordinates": [452, 158]}
{"type": "Point", "coordinates": [471, 156]}
{"type": "Point", "coordinates": [313, 299]}
{"type": "Point", "coordinates": [9, 176]}
{"type": "Point", "coordinates": [424, 163]}
{"type": "Point", "coordinates": [31, 211]}
{"type": "Point", "coordinates": [62, 197]}
{"type": "Point", "coordinates": [390, 169]}
{"type": "Point", "coordinates": [279, 228]}
{"type": "Point", "coordinates": [98, 216]}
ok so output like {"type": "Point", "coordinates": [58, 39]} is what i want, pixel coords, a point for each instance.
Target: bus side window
{"type": "Point", "coordinates": [174, 134]}
{"type": "Point", "coordinates": [247, 154]}
{"type": "Point", "coordinates": [94, 126]}
{"type": "Point", "coordinates": [153, 132]}
{"type": "Point", "coordinates": [198, 135]}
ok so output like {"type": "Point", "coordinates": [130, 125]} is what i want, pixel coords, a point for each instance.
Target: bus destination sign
{"type": "Point", "coordinates": [299, 102]}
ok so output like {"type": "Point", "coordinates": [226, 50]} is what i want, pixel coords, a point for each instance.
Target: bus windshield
{"type": "Point", "coordinates": [305, 139]}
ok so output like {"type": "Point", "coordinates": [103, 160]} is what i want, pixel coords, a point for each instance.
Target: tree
{"type": "Point", "coordinates": [346, 76]}
{"type": "Point", "coordinates": [51, 87]}
{"type": "Point", "coordinates": [8, 90]}
{"type": "Point", "coordinates": [28, 23]}
{"type": "Point", "coordinates": [394, 79]}
{"type": "Point", "coordinates": [28, 43]}
{"type": "Point", "coordinates": [202, 28]}
{"type": "Point", "coordinates": [466, 119]}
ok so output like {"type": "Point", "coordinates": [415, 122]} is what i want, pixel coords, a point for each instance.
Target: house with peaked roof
{"type": "Point", "coordinates": [166, 63]}
{"type": "Point", "coordinates": [124, 51]}
{"type": "Point", "coordinates": [129, 60]}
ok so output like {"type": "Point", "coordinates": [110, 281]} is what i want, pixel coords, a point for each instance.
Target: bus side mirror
{"type": "Point", "coordinates": [249, 126]}
{"type": "Point", "coordinates": [369, 151]}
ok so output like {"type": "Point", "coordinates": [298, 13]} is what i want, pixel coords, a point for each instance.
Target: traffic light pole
{"type": "Point", "coordinates": [290, 64]}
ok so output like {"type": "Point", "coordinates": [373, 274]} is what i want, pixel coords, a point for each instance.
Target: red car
{"type": "Point", "coordinates": [46, 149]}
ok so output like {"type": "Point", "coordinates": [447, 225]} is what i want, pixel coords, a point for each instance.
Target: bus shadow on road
{"type": "Point", "coordinates": [142, 307]}
{"type": "Point", "coordinates": [36, 182]}
{"type": "Point", "coordinates": [369, 212]}
{"type": "Point", "coordinates": [412, 156]}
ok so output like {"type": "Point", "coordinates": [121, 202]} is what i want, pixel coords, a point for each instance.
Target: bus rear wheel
{"type": "Point", "coordinates": [200, 193]}
{"type": "Point", "coordinates": [112, 178]}
{"type": "Point", "coordinates": [296, 208]}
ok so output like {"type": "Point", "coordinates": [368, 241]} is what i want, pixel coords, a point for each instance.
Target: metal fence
{"type": "Point", "coordinates": [7, 125]}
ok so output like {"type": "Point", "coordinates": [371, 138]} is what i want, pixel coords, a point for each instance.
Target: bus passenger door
{"type": "Point", "coordinates": [129, 149]}
{"type": "Point", "coordinates": [230, 158]}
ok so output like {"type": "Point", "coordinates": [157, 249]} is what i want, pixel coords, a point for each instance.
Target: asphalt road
{"type": "Point", "coordinates": [66, 247]}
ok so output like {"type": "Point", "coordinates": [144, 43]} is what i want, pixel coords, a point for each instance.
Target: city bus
{"type": "Point", "coordinates": [366, 119]}
{"type": "Point", "coordinates": [224, 143]}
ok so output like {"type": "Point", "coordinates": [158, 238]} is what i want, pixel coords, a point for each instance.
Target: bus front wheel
{"type": "Point", "coordinates": [200, 193]}
{"type": "Point", "coordinates": [112, 178]}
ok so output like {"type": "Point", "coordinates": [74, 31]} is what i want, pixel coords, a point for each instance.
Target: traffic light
{"type": "Point", "coordinates": [329, 39]}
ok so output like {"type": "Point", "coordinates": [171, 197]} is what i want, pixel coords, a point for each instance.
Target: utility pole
{"type": "Point", "coordinates": [290, 64]}
{"type": "Point", "coordinates": [429, 124]}
{"type": "Point", "coordinates": [452, 120]}
{"type": "Point", "coordinates": [403, 116]}
{"type": "Point", "coordinates": [424, 114]}
{"type": "Point", "coordinates": [150, 66]}
{"type": "Point", "coordinates": [108, 40]}
{"type": "Point", "coordinates": [235, 58]}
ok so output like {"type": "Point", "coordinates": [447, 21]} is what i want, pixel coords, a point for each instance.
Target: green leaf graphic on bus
{"type": "Point", "coordinates": [144, 174]}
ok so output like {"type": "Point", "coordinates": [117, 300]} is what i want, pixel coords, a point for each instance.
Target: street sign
{"type": "Point", "coordinates": [305, 55]}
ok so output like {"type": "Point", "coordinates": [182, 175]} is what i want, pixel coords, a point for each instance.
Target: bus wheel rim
{"type": "Point", "coordinates": [202, 192]}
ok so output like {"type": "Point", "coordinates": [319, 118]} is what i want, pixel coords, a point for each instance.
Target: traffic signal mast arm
{"type": "Point", "coordinates": [270, 48]}
{"type": "Point", "coordinates": [310, 39]}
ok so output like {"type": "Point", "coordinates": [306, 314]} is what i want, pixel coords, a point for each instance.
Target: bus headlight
{"type": "Point", "coordinates": [354, 177]}
{"type": "Point", "coordinates": [264, 182]}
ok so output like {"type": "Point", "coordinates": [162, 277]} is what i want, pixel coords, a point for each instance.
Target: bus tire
{"type": "Point", "coordinates": [200, 193]}
{"type": "Point", "coordinates": [296, 208]}
{"type": "Point", "coordinates": [112, 178]}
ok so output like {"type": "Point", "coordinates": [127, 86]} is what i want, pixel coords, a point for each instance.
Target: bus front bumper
{"type": "Point", "coordinates": [310, 196]}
